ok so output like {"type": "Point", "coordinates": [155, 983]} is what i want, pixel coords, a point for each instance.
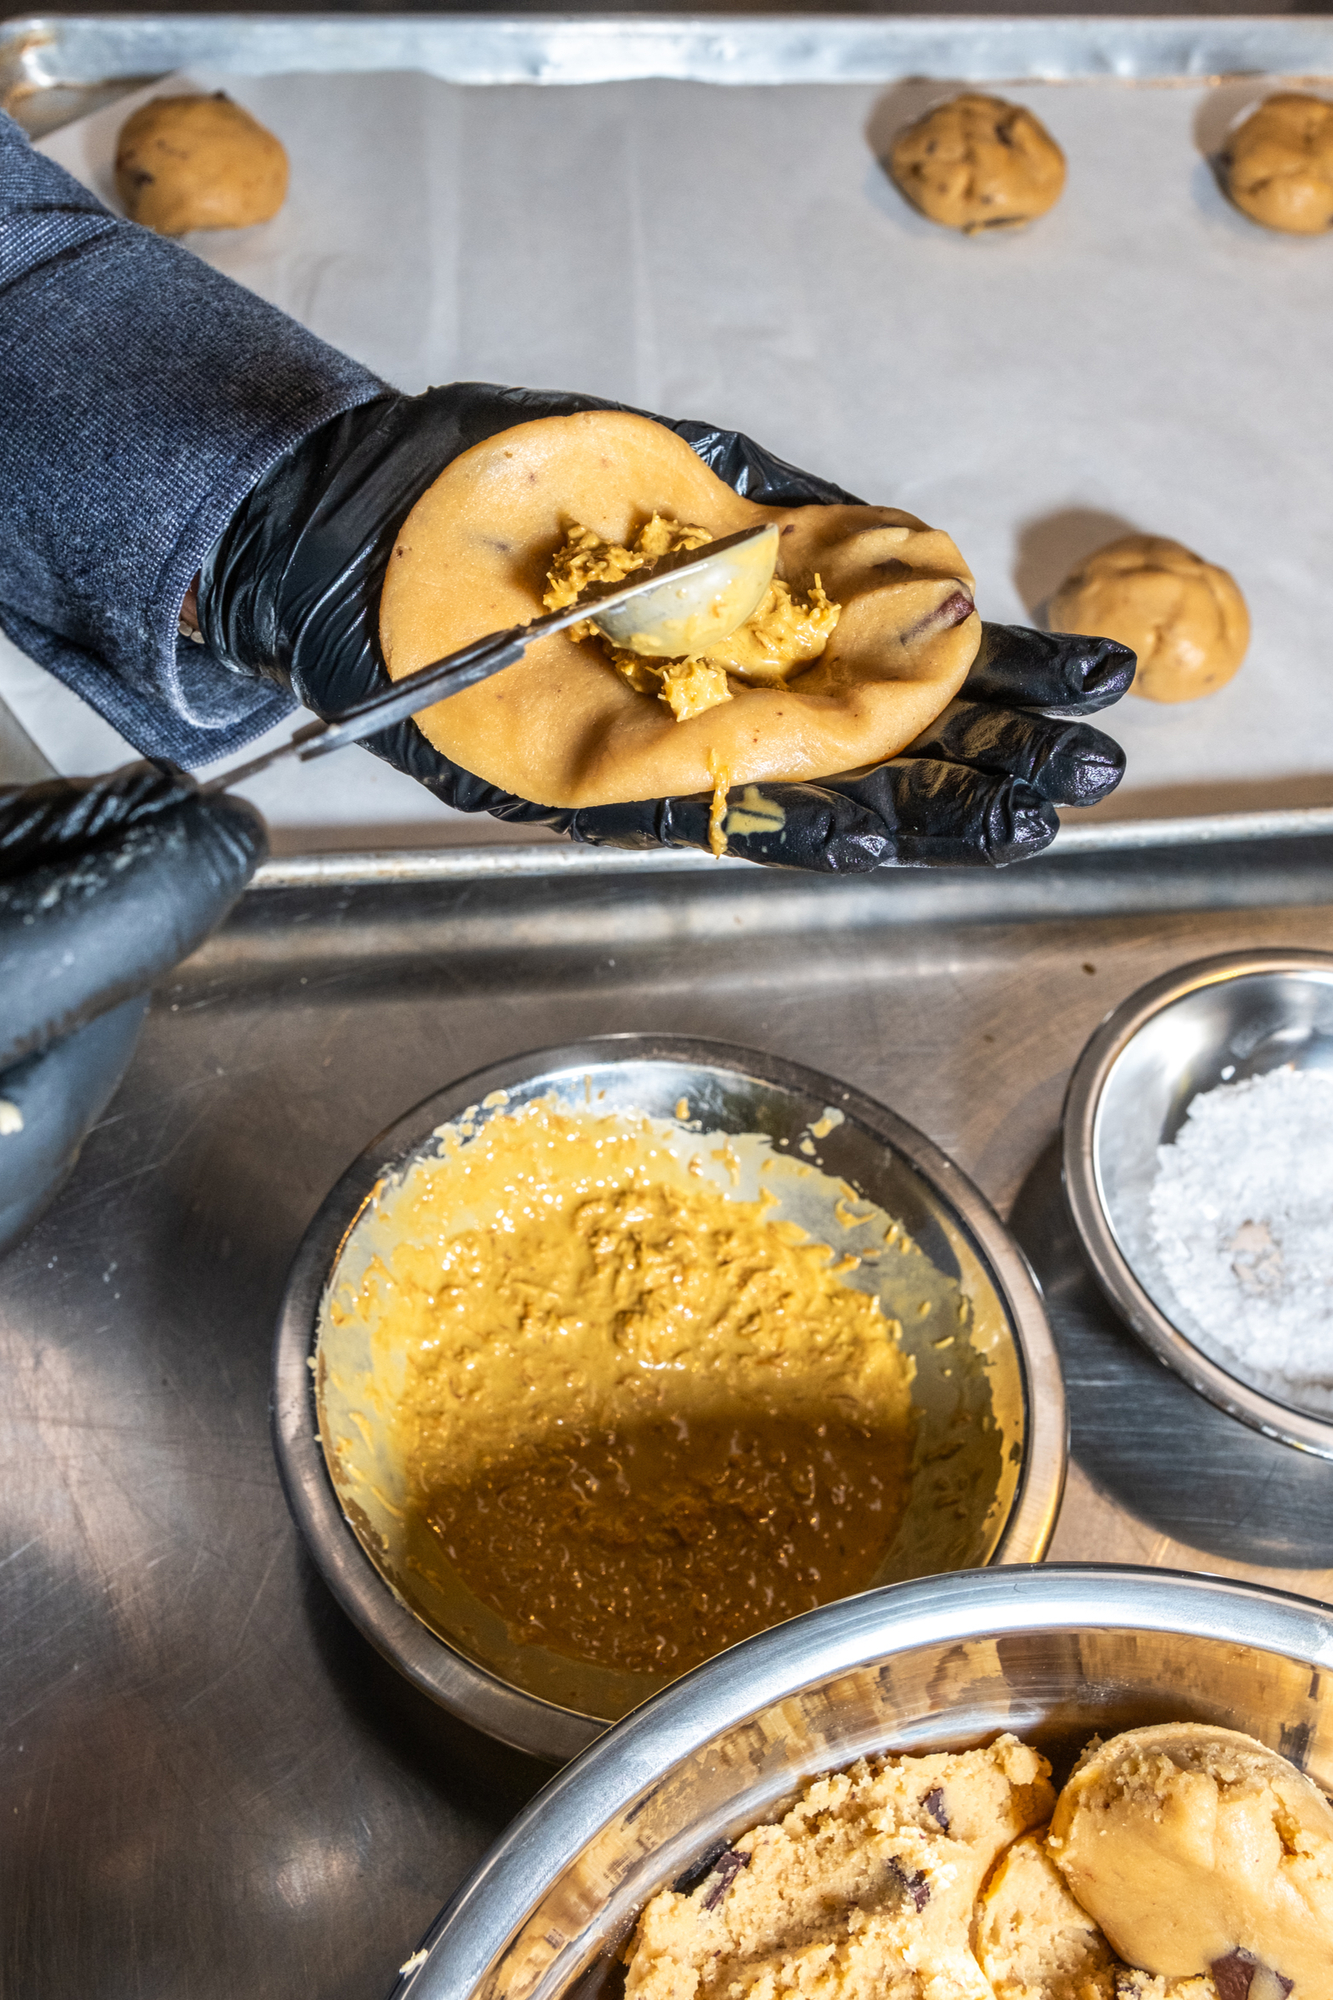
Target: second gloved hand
{"type": "Point", "coordinates": [291, 592]}
{"type": "Point", "coordinates": [105, 884]}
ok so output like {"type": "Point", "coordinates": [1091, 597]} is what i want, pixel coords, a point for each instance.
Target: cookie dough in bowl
{"type": "Point", "coordinates": [1180, 1862]}
{"type": "Point", "coordinates": [198, 162]}
{"type": "Point", "coordinates": [1184, 617]}
{"type": "Point", "coordinates": [564, 727]}
{"type": "Point", "coordinates": [977, 163]}
{"type": "Point", "coordinates": [1198, 1851]}
{"type": "Point", "coordinates": [1277, 166]}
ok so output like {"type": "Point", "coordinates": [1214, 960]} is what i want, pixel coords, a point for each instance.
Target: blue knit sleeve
{"type": "Point", "coordinates": [142, 396]}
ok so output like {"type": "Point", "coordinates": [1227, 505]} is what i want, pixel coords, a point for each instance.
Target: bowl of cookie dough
{"type": "Point", "coordinates": [609, 1356]}
{"type": "Point", "coordinates": [1197, 1160]}
{"type": "Point", "coordinates": [909, 1778]}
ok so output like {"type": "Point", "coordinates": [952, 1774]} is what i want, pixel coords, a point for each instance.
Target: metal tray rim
{"type": "Point", "coordinates": [40, 53]}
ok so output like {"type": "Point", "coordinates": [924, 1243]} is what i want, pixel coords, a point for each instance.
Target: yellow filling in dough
{"type": "Point", "coordinates": [640, 1419]}
{"type": "Point", "coordinates": [786, 634]}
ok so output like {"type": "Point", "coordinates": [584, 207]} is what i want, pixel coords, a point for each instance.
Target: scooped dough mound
{"type": "Point", "coordinates": [1278, 166]}
{"type": "Point", "coordinates": [1184, 617]}
{"type": "Point", "coordinates": [864, 1891]}
{"type": "Point", "coordinates": [474, 557]}
{"type": "Point", "coordinates": [1035, 1942]}
{"type": "Point", "coordinates": [198, 163]}
{"type": "Point", "coordinates": [978, 163]}
{"type": "Point", "coordinates": [1198, 1850]}
{"type": "Point", "coordinates": [781, 637]}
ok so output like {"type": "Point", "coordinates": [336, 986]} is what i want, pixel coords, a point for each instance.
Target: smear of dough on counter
{"type": "Point", "coordinates": [641, 1419]}
{"type": "Point", "coordinates": [786, 633]}
{"type": "Point", "coordinates": [863, 1891]}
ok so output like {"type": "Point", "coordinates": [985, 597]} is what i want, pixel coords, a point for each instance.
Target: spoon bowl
{"type": "Point", "coordinates": [681, 611]}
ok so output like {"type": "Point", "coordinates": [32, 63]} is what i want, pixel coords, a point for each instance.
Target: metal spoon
{"type": "Point", "coordinates": [677, 606]}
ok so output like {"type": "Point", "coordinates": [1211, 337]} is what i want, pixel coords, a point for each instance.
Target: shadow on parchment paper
{"type": "Point", "coordinates": [1144, 1438]}
{"type": "Point", "coordinates": [891, 114]}
{"type": "Point", "coordinates": [1048, 548]}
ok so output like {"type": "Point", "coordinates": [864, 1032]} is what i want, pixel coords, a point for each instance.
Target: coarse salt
{"type": "Point", "coordinates": [1242, 1218]}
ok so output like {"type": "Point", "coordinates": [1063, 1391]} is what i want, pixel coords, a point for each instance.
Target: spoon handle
{"type": "Point", "coordinates": [463, 669]}
{"type": "Point", "coordinates": [471, 664]}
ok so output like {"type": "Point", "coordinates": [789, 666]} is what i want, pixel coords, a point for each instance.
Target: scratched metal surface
{"type": "Point", "coordinates": [210, 1785]}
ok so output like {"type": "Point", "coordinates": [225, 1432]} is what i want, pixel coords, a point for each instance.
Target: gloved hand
{"type": "Point", "coordinates": [105, 884]}
{"type": "Point", "coordinates": [291, 593]}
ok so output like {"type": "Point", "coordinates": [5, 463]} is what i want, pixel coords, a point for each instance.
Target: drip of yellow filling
{"type": "Point", "coordinates": [785, 635]}
{"type": "Point", "coordinates": [640, 1419]}
{"type": "Point", "coordinates": [717, 813]}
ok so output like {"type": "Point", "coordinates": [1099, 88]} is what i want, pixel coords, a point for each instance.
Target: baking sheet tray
{"type": "Point", "coordinates": [210, 1785]}
{"type": "Point", "coordinates": [1144, 357]}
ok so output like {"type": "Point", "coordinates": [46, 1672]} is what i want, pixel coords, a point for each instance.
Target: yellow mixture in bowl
{"type": "Point", "coordinates": [637, 1417]}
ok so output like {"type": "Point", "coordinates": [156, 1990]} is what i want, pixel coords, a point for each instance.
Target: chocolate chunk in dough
{"type": "Point", "coordinates": [1184, 617]}
{"type": "Point", "coordinates": [978, 163]}
{"type": "Point", "coordinates": [914, 1882]}
{"type": "Point", "coordinates": [1236, 1976]}
{"type": "Point", "coordinates": [1278, 166]}
{"type": "Point", "coordinates": [198, 163]}
{"type": "Point", "coordinates": [724, 1872]}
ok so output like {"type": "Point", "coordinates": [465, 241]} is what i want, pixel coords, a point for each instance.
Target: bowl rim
{"type": "Point", "coordinates": [475, 1928]}
{"type": "Point", "coordinates": [1115, 1276]}
{"type": "Point", "coordinates": [525, 1721]}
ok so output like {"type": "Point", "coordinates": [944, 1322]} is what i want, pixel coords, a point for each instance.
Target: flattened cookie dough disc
{"type": "Point", "coordinates": [561, 727]}
{"type": "Point", "coordinates": [978, 163]}
{"type": "Point", "coordinates": [198, 163]}
{"type": "Point", "coordinates": [1199, 1850]}
{"type": "Point", "coordinates": [1184, 617]}
{"type": "Point", "coordinates": [1278, 166]}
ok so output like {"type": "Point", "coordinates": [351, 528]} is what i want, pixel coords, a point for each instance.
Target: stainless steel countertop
{"type": "Point", "coordinates": [212, 1786]}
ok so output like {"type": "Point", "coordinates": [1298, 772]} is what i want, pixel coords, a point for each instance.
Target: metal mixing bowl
{"type": "Point", "coordinates": [999, 1388]}
{"type": "Point", "coordinates": [1052, 1654]}
{"type": "Point", "coordinates": [1216, 1021]}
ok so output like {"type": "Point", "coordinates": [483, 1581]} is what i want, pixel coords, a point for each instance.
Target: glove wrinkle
{"type": "Point", "coordinates": [1024, 668]}
{"type": "Point", "coordinates": [1069, 763]}
{"type": "Point", "coordinates": [43, 822]}
{"type": "Point", "coordinates": [79, 935]}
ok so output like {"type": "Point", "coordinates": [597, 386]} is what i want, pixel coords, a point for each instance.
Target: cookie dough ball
{"type": "Point", "coordinates": [1278, 165]}
{"type": "Point", "coordinates": [1184, 617]}
{"type": "Point", "coordinates": [198, 163]}
{"type": "Point", "coordinates": [1032, 1938]}
{"type": "Point", "coordinates": [1199, 1851]}
{"type": "Point", "coordinates": [978, 163]}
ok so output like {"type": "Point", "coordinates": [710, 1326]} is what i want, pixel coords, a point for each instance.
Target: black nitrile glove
{"type": "Point", "coordinates": [291, 593]}
{"type": "Point", "coordinates": [105, 884]}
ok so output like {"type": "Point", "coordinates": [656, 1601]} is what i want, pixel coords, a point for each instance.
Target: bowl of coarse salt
{"type": "Point", "coordinates": [1198, 1162]}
